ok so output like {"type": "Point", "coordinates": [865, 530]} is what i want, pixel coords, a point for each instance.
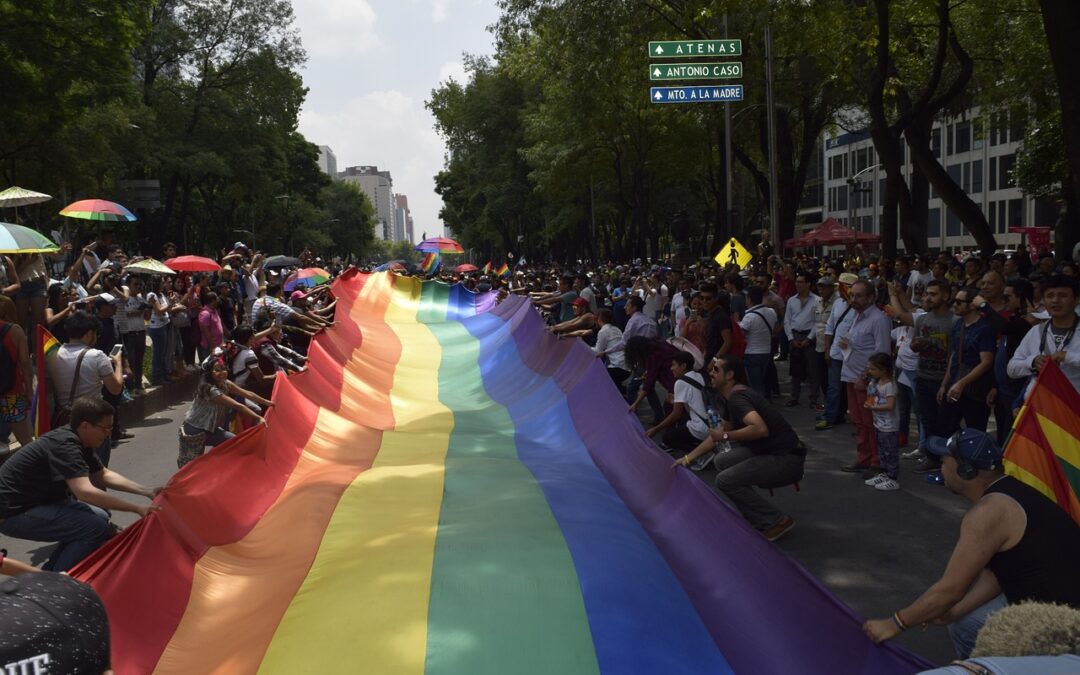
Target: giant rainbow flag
{"type": "Point", "coordinates": [449, 489]}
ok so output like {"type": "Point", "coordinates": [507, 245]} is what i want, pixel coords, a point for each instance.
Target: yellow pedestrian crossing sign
{"type": "Point", "coordinates": [734, 252]}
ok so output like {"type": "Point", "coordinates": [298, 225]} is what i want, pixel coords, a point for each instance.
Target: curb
{"type": "Point", "coordinates": [157, 399]}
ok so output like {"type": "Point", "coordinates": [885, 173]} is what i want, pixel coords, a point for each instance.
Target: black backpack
{"type": "Point", "coordinates": [8, 365]}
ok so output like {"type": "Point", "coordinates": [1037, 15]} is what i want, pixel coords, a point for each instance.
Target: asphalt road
{"type": "Point", "coordinates": [876, 550]}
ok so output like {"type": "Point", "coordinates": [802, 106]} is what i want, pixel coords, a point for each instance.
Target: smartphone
{"type": "Point", "coordinates": [116, 350]}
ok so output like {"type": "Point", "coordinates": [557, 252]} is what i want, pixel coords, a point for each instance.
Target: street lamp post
{"type": "Point", "coordinates": [854, 188]}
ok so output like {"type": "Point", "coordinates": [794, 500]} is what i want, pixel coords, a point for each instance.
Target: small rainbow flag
{"type": "Point", "coordinates": [503, 271]}
{"type": "Point", "coordinates": [450, 489]}
{"type": "Point", "coordinates": [431, 263]}
{"type": "Point", "coordinates": [45, 346]}
{"type": "Point", "coordinates": [487, 268]}
{"type": "Point", "coordinates": [1044, 447]}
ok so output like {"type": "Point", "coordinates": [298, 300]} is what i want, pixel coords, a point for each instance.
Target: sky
{"type": "Point", "coordinates": [371, 66]}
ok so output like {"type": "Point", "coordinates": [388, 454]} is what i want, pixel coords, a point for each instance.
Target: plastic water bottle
{"type": "Point", "coordinates": [714, 417]}
{"type": "Point", "coordinates": [723, 446]}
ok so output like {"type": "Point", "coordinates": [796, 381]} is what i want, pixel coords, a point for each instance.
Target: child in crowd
{"type": "Point", "coordinates": [881, 398]}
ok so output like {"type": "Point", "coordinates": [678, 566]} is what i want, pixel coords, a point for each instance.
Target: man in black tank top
{"type": "Point", "coordinates": [1015, 544]}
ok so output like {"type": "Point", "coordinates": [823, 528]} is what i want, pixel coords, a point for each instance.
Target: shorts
{"type": "Point", "coordinates": [32, 289]}
{"type": "Point", "coordinates": [13, 408]}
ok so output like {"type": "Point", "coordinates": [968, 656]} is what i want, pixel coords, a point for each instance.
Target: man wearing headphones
{"type": "Point", "coordinates": [1015, 545]}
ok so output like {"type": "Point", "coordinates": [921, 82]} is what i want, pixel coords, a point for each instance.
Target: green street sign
{"type": "Point", "coordinates": [695, 71]}
{"type": "Point", "coordinates": [675, 49]}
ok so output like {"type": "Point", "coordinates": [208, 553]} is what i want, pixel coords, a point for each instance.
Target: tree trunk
{"type": "Point", "coordinates": [1062, 22]}
{"type": "Point", "coordinates": [914, 226]}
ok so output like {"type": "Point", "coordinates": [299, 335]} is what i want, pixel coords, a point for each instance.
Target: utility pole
{"type": "Point", "coordinates": [770, 102]}
{"type": "Point", "coordinates": [729, 225]}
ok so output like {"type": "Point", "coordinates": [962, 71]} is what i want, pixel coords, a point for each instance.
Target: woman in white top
{"type": "Point", "coordinates": [608, 337]}
{"type": "Point", "coordinates": [158, 329]}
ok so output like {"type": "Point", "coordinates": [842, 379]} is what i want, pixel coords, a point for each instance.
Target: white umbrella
{"type": "Point", "coordinates": [17, 196]}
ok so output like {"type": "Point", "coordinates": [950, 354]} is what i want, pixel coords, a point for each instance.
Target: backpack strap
{"type": "Point", "coordinates": [75, 379]}
{"type": "Point", "coordinates": [700, 387]}
{"type": "Point", "coordinates": [762, 317]}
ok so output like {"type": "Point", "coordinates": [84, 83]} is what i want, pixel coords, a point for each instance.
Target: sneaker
{"type": "Point", "coordinates": [926, 467]}
{"type": "Point", "coordinates": [887, 485]}
{"type": "Point", "coordinates": [819, 407]}
{"type": "Point", "coordinates": [917, 453]}
{"type": "Point", "coordinates": [873, 482]}
{"type": "Point", "coordinates": [823, 425]}
{"type": "Point", "coordinates": [701, 463]}
{"type": "Point", "coordinates": [782, 527]}
{"type": "Point", "coordinates": [935, 478]}
{"type": "Point", "coordinates": [854, 468]}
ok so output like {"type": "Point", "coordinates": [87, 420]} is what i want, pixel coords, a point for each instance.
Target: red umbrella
{"type": "Point", "coordinates": [192, 263]}
{"type": "Point", "coordinates": [465, 267]}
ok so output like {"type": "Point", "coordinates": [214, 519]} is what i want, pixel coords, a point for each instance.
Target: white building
{"type": "Point", "coordinates": [977, 151]}
{"type": "Point", "coordinates": [328, 161]}
{"type": "Point", "coordinates": [378, 186]}
{"type": "Point", "coordinates": [403, 224]}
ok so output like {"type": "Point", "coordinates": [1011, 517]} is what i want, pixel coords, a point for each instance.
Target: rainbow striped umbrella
{"type": "Point", "coordinates": [451, 489]}
{"type": "Point", "coordinates": [439, 245]}
{"type": "Point", "coordinates": [98, 209]}
{"type": "Point", "coordinates": [309, 277]}
{"type": "Point", "coordinates": [19, 239]}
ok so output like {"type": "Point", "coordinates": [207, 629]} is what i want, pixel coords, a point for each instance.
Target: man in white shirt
{"type": "Point", "coordinates": [868, 333]}
{"type": "Point", "coordinates": [607, 337]}
{"type": "Point", "coordinates": [688, 423]}
{"type": "Point", "coordinates": [800, 326]}
{"type": "Point", "coordinates": [79, 370]}
{"type": "Point", "coordinates": [757, 326]}
{"type": "Point", "coordinates": [836, 402]}
{"type": "Point", "coordinates": [1054, 339]}
{"type": "Point", "coordinates": [826, 287]}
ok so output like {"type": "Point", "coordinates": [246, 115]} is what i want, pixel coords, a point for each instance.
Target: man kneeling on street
{"type": "Point", "coordinates": [768, 451]}
{"type": "Point", "coordinates": [48, 489]}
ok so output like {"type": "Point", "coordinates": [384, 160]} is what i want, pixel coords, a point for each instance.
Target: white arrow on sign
{"type": "Point", "coordinates": [658, 96]}
{"type": "Point", "coordinates": [659, 49]}
{"type": "Point", "coordinates": [656, 72]}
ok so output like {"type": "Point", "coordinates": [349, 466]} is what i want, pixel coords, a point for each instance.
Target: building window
{"type": "Point", "coordinates": [933, 223]}
{"type": "Point", "coordinates": [1016, 213]}
{"type": "Point", "coordinates": [976, 177]}
{"type": "Point", "coordinates": [841, 198]}
{"type": "Point", "coordinates": [967, 178]}
{"type": "Point", "coordinates": [1005, 167]}
{"type": "Point", "coordinates": [992, 217]}
{"type": "Point", "coordinates": [1046, 212]}
{"type": "Point", "coordinates": [978, 131]}
{"type": "Point", "coordinates": [935, 142]}
{"type": "Point", "coordinates": [956, 173]}
{"type": "Point", "coordinates": [948, 140]}
{"type": "Point", "coordinates": [993, 173]}
{"type": "Point", "coordinates": [953, 227]}
{"type": "Point", "coordinates": [963, 137]}
{"type": "Point", "coordinates": [1003, 221]}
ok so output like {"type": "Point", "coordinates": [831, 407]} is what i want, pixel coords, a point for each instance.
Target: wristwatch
{"type": "Point", "coordinates": [726, 436]}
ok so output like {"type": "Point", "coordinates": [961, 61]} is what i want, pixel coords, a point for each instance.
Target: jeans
{"type": "Point", "coordinates": [159, 338]}
{"type": "Point", "coordinates": [889, 452]}
{"type": "Point", "coordinates": [679, 438]}
{"type": "Point", "coordinates": [808, 355]}
{"type": "Point", "coordinates": [908, 402]}
{"type": "Point", "coordinates": [971, 410]}
{"type": "Point", "coordinates": [213, 438]}
{"type": "Point", "coordinates": [929, 412]}
{"type": "Point", "coordinates": [78, 527]}
{"type": "Point", "coordinates": [963, 630]}
{"type": "Point", "coordinates": [757, 371]}
{"type": "Point", "coordinates": [1003, 415]}
{"type": "Point", "coordinates": [836, 395]}
{"type": "Point", "coordinates": [135, 348]}
{"type": "Point", "coordinates": [739, 470]}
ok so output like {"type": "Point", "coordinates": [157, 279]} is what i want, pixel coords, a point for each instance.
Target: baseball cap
{"type": "Point", "coordinates": [971, 445]}
{"type": "Point", "coordinates": [826, 280]}
{"type": "Point", "coordinates": [296, 295]}
{"type": "Point", "coordinates": [848, 278]}
{"type": "Point", "coordinates": [53, 620]}
{"type": "Point", "coordinates": [580, 302]}
{"type": "Point", "coordinates": [238, 244]}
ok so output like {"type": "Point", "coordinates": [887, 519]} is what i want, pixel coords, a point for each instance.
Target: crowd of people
{"type": "Point", "coordinates": [234, 328]}
{"type": "Point", "coordinates": [918, 354]}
